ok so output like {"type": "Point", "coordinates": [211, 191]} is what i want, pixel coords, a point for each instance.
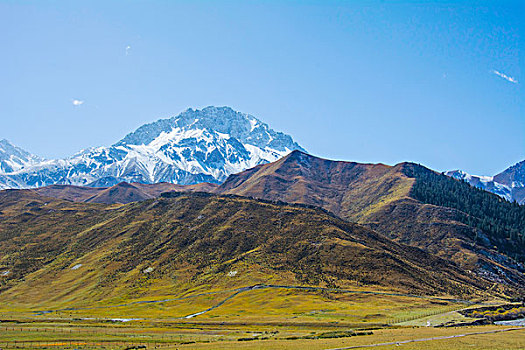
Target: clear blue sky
{"type": "Point", "coordinates": [352, 80]}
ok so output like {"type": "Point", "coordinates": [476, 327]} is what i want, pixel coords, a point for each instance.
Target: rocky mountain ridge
{"type": "Point", "coordinates": [195, 146]}
{"type": "Point", "coordinates": [509, 184]}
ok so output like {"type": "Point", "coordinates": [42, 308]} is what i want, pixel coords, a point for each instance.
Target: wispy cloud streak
{"type": "Point", "coordinates": [77, 102]}
{"type": "Point", "coordinates": [504, 76]}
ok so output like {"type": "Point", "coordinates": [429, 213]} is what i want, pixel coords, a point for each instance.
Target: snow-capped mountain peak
{"type": "Point", "coordinates": [223, 120]}
{"type": "Point", "coordinates": [509, 184]}
{"type": "Point", "coordinates": [194, 146]}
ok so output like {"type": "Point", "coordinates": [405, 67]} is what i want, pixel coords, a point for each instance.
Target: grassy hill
{"type": "Point", "coordinates": [408, 203]}
{"type": "Point", "coordinates": [60, 253]}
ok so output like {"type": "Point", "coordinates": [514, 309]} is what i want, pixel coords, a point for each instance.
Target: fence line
{"type": "Point", "coordinates": [81, 344]}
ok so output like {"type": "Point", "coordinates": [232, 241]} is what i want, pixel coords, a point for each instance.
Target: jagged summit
{"type": "Point", "coordinates": [195, 146]}
{"type": "Point", "coordinates": [224, 120]}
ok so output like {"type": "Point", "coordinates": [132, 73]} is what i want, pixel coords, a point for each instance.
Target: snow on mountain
{"type": "Point", "coordinates": [196, 146]}
{"type": "Point", "coordinates": [13, 158]}
{"type": "Point", "coordinates": [486, 183]}
{"type": "Point", "coordinates": [509, 184]}
{"type": "Point", "coordinates": [513, 176]}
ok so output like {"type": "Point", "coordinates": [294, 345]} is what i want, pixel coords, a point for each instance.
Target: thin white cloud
{"type": "Point", "coordinates": [77, 102]}
{"type": "Point", "coordinates": [504, 76]}
{"type": "Point", "coordinates": [127, 49]}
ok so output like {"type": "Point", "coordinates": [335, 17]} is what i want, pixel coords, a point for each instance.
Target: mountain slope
{"type": "Point", "coordinates": [13, 158]}
{"type": "Point", "coordinates": [349, 190]}
{"type": "Point", "coordinates": [514, 177]}
{"type": "Point", "coordinates": [384, 198]}
{"type": "Point", "coordinates": [182, 240]}
{"type": "Point", "coordinates": [196, 146]}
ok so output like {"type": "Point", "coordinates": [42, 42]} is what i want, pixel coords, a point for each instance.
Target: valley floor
{"type": "Point", "coordinates": [206, 336]}
{"type": "Point", "coordinates": [257, 318]}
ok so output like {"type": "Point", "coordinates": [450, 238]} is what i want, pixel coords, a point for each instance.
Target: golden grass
{"type": "Point", "coordinates": [506, 340]}
{"type": "Point", "coordinates": [206, 336]}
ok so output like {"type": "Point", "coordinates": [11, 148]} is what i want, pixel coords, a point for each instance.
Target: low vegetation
{"type": "Point", "coordinates": [497, 313]}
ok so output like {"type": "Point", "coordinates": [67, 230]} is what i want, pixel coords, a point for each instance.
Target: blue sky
{"type": "Point", "coordinates": [438, 83]}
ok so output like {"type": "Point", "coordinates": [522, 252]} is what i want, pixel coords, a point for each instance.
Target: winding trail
{"type": "Point", "coordinates": [218, 304]}
{"type": "Point", "coordinates": [428, 339]}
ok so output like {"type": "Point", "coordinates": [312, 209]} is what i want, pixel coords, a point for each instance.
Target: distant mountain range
{"type": "Point", "coordinates": [193, 147]}
{"type": "Point", "coordinates": [509, 184]}
{"type": "Point", "coordinates": [196, 146]}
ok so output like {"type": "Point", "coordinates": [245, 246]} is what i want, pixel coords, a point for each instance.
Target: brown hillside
{"type": "Point", "coordinates": [69, 192]}
{"type": "Point", "coordinates": [379, 197]}
{"type": "Point", "coordinates": [120, 193]}
{"type": "Point", "coordinates": [349, 190]}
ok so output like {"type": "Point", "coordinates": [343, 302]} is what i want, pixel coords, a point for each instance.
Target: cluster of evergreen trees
{"type": "Point", "coordinates": [501, 222]}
